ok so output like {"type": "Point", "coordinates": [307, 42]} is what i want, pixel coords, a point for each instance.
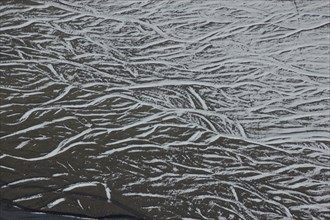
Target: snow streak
{"type": "Point", "coordinates": [166, 109]}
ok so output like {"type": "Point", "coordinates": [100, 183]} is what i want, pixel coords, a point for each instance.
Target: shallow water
{"type": "Point", "coordinates": [166, 109]}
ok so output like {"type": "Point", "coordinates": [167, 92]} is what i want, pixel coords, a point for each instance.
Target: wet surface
{"type": "Point", "coordinates": [166, 109]}
{"type": "Point", "coordinates": [9, 211]}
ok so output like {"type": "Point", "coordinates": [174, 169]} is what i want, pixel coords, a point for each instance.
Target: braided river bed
{"type": "Point", "coordinates": [164, 109]}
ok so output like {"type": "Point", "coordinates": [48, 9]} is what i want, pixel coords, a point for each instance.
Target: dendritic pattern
{"type": "Point", "coordinates": [183, 109]}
